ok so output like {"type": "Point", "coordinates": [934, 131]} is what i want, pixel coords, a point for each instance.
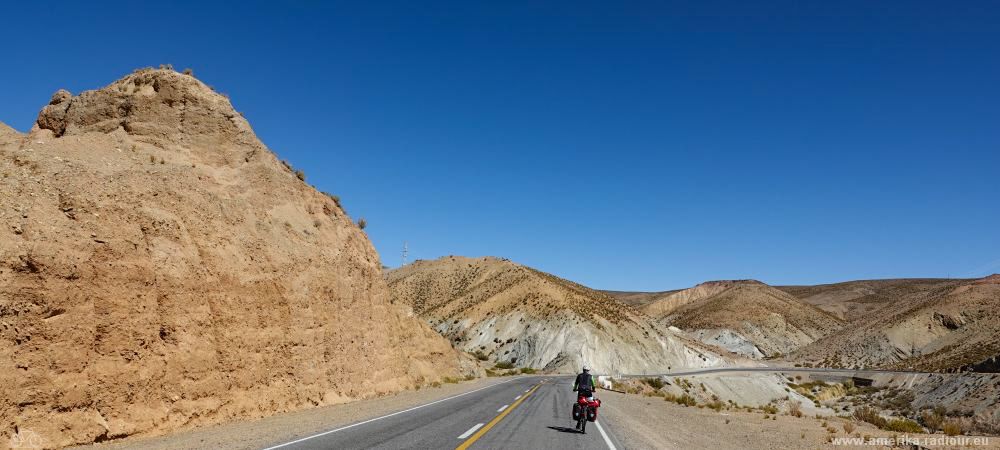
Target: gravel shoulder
{"type": "Point", "coordinates": [652, 423]}
{"type": "Point", "coordinates": [279, 428]}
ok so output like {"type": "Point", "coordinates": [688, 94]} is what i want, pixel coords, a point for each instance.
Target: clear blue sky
{"type": "Point", "coordinates": [625, 146]}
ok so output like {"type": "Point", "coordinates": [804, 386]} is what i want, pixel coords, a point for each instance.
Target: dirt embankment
{"type": "Point", "coordinates": [160, 269]}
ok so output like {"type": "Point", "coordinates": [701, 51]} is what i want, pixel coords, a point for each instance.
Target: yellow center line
{"type": "Point", "coordinates": [495, 420]}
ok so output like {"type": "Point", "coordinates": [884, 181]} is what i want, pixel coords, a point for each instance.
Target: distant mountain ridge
{"type": "Point", "coordinates": [925, 324]}
{"type": "Point", "coordinates": [512, 313]}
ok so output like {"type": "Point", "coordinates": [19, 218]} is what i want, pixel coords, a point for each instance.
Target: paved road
{"type": "Point", "coordinates": [780, 369]}
{"type": "Point", "coordinates": [524, 412]}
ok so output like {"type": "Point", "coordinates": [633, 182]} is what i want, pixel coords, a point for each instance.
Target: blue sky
{"type": "Point", "coordinates": [633, 146]}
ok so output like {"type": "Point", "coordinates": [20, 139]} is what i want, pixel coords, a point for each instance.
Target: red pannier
{"type": "Point", "coordinates": [591, 412]}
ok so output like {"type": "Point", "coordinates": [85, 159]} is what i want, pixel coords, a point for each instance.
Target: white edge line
{"type": "Point", "coordinates": [502, 408]}
{"type": "Point", "coordinates": [515, 398]}
{"type": "Point", "coordinates": [471, 430]}
{"type": "Point", "coordinates": [526, 390]}
{"type": "Point", "coordinates": [607, 440]}
{"type": "Point", "coordinates": [383, 417]}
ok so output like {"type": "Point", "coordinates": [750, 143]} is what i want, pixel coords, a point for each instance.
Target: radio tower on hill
{"type": "Point", "coordinates": [405, 253]}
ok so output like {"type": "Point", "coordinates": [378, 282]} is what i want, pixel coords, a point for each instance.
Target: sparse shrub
{"type": "Point", "coordinates": [952, 428]}
{"type": "Point", "coordinates": [686, 400]}
{"type": "Point", "coordinates": [362, 223]}
{"type": "Point", "coordinates": [152, 159]}
{"type": "Point", "coordinates": [470, 377]}
{"type": "Point", "coordinates": [450, 380]}
{"type": "Point", "coordinates": [848, 427]}
{"type": "Point", "coordinates": [505, 365]}
{"type": "Point", "coordinates": [716, 405]}
{"type": "Point", "coordinates": [795, 410]}
{"type": "Point", "coordinates": [436, 384]}
{"type": "Point", "coordinates": [189, 72]}
{"type": "Point", "coordinates": [480, 355]}
{"type": "Point", "coordinates": [770, 409]}
{"type": "Point", "coordinates": [870, 415]}
{"type": "Point", "coordinates": [527, 370]}
{"type": "Point", "coordinates": [932, 420]}
{"type": "Point", "coordinates": [286, 164]}
{"type": "Point", "coordinates": [904, 426]}
{"type": "Point", "coordinates": [335, 198]}
{"type": "Point", "coordinates": [300, 175]}
{"type": "Point", "coordinates": [654, 382]}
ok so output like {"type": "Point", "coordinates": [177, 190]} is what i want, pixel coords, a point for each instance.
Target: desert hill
{"type": "Point", "coordinates": [745, 316]}
{"type": "Point", "coordinates": [852, 300]}
{"type": "Point", "coordinates": [509, 312]}
{"type": "Point", "coordinates": [937, 324]}
{"type": "Point", "coordinates": [160, 268]}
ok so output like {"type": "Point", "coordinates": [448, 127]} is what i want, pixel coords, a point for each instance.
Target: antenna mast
{"type": "Point", "coordinates": [405, 252]}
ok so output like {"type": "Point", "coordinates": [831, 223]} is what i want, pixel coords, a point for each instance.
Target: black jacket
{"type": "Point", "coordinates": [584, 382]}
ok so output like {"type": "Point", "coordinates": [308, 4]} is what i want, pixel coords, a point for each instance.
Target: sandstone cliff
{"type": "Point", "coordinates": [160, 268]}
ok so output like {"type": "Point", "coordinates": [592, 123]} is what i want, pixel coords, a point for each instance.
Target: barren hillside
{"type": "Point", "coordinates": [744, 316]}
{"type": "Point", "coordinates": [923, 324]}
{"type": "Point", "coordinates": [160, 268]}
{"type": "Point", "coordinates": [852, 300]}
{"type": "Point", "coordinates": [510, 312]}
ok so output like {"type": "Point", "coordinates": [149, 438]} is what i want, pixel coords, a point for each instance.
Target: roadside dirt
{"type": "Point", "coordinates": [652, 423]}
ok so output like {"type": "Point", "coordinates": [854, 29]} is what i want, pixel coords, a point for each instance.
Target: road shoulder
{"type": "Point", "coordinates": [260, 433]}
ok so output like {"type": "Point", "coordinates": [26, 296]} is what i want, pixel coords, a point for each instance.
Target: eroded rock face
{"type": "Point", "coordinates": [160, 268]}
{"type": "Point", "coordinates": [506, 312]}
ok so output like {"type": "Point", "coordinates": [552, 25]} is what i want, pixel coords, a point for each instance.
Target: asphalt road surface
{"type": "Point", "coordinates": [523, 412]}
{"type": "Point", "coordinates": [781, 369]}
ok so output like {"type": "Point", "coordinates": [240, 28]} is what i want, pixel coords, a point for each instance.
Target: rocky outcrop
{"type": "Point", "coordinates": [161, 269]}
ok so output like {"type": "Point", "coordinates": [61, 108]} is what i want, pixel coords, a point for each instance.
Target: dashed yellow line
{"type": "Point", "coordinates": [496, 420]}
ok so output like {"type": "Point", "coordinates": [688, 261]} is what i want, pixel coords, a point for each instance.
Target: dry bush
{"type": "Point", "coordinates": [795, 410]}
{"type": "Point", "coordinates": [904, 426]}
{"type": "Point", "coordinates": [362, 223]}
{"type": "Point", "coordinates": [189, 72]}
{"type": "Point", "coordinates": [848, 428]}
{"type": "Point", "coordinates": [952, 428]}
{"type": "Point", "coordinates": [933, 420]}
{"type": "Point", "coordinates": [686, 400]}
{"type": "Point", "coordinates": [870, 415]}
{"type": "Point", "coordinates": [505, 365]}
{"type": "Point", "coordinates": [300, 175]}
{"type": "Point", "coordinates": [655, 382]}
